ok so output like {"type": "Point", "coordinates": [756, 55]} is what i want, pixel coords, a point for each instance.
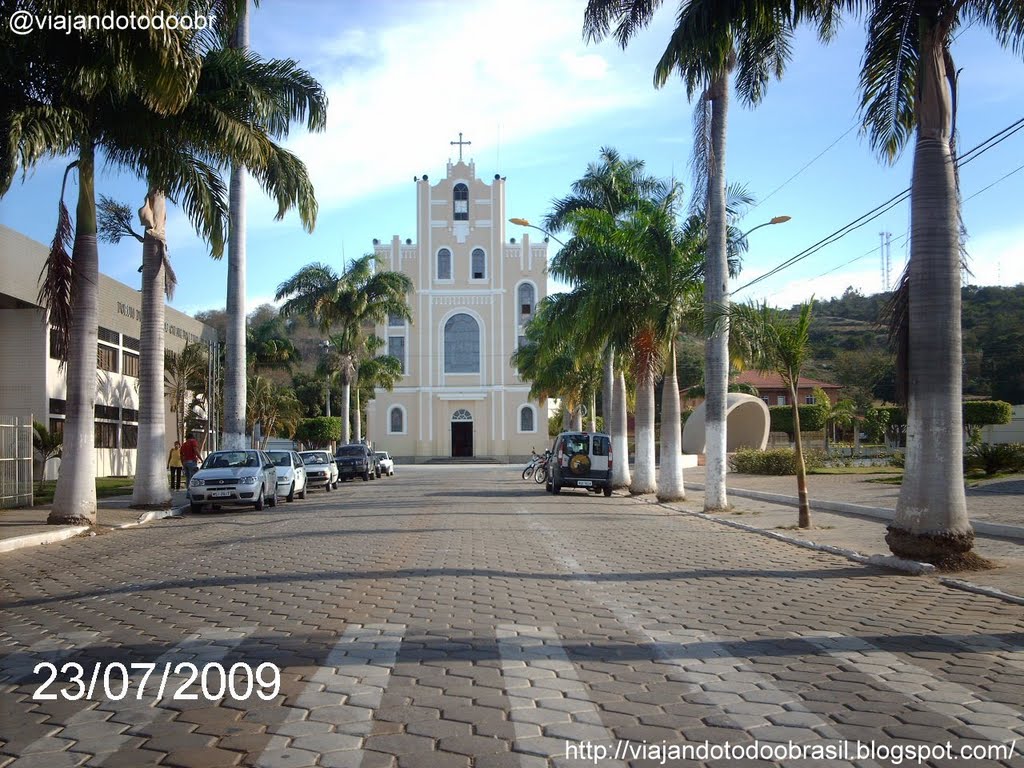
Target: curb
{"type": "Point", "coordinates": [997, 530]}
{"type": "Point", "coordinates": [69, 532]}
{"type": "Point", "coordinates": [48, 537]}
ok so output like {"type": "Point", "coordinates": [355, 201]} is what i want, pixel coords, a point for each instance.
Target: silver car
{"type": "Point", "coordinates": [291, 474]}
{"type": "Point", "coordinates": [236, 478]}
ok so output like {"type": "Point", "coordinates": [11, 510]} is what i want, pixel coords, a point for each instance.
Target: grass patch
{"type": "Point", "coordinates": [105, 486]}
{"type": "Point", "coordinates": [890, 480]}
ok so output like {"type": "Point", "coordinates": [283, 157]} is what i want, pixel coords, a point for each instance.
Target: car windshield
{"type": "Point", "coordinates": [381, 455]}
{"type": "Point", "coordinates": [280, 458]}
{"type": "Point", "coordinates": [314, 458]}
{"type": "Point", "coordinates": [231, 459]}
{"type": "Point", "coordinates": [351, 450]}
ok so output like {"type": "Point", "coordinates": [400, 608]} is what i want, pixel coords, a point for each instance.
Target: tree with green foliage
{"type": "Point", "coordinates": [340, 304]}
{"type": "Point", "coordinates": [710, 40]}
{"type": "Point", "coordinates": [982, 413]}
{"type": "Point", "coordinates": [770, 340]}
{"type": "Point", "coordinates": [48, 445]}
{"type": "Point", "coordinates": [319, 431]}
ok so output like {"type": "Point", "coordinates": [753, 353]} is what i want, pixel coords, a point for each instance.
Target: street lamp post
{"type": "Point", "coordinates": [326, 346]}
{"type": "Point", "coordinates": [526, 223]}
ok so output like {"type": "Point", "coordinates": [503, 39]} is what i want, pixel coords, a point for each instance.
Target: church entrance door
{"type": "Point", "coordinates": [462, 433]}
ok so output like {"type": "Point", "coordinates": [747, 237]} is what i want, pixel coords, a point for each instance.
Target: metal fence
{"type": "Point", "coordinates": [15, 462]}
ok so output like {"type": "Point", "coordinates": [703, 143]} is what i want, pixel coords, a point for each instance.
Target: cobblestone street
{"type": "Point", "coordinates": [462, 617]}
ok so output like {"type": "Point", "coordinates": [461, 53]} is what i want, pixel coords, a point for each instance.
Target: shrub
{"type": "Point", "coordinates": [898, 459]}
{"type": "Point", "coordinates": [319, 431]}
{"type": "Point", "coordinates": [993, 458]}
{"type": "Point", "coordinates": [812, 418]}
{"type": "Point", "coordinates": [777, 461]}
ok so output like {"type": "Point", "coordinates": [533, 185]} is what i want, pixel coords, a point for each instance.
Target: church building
{"type": "Point", "coordinates": [474, 289]}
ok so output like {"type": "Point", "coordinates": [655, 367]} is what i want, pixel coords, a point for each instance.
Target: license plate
{"type": "Point", "coordinates": [584, 483]}
{"type": "Point", "coordinates": [220, 494]}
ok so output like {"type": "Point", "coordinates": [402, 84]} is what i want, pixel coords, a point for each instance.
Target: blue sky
{"type": "Point", "coordinates": [538, 103]}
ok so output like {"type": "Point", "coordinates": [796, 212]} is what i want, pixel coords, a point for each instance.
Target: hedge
{"type": "Point", "coordinates": [812, 418]}
{"type": "Point", "coordinates": [778, 461]}
{"type": "Point", "coordinates": [319, 431]}
{"type": "Point", "coordinates": [981, 413]}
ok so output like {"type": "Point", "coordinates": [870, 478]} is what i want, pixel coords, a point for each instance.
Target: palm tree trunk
{"type": "Point", "coordinates": [804, 515]}
{"type": "Point", "coordinates": [593, 411]}
{"type": "Point", "coordinates": [931, 522]}
{"type": "Point", "coordinates": [716, 300]}
{"type": "Point", "coordinates": [566, 416]}
{"type": "Point", "coordinates": [234, 349]}
{"type": "Point", "coordinates": [670, 479]}
{"type": "Point", "coordinates": [74, 501]}
{"type": "Point", "coordinates": [151, 485]}
{"type": "Point", "coordinates": [346, 399]}
{"type": "Point", "coordinates": [607, 386]}
{"type": "Point", "coordinates": [577, 419]}
{"type": "Point", "coordinates": [644, 480]}
{"type": "Point", "coordinates": [621, 476]}
{"type": "Point", "coordinates": [357, 424]}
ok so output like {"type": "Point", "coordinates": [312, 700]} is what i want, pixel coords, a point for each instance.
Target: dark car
{"type": "Point", "coordinates": [581, 460]}
{"type": "Point", "coordinates": [355, 460]}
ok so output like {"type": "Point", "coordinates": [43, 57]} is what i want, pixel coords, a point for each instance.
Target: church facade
{"type": "Point", "coordinates": [474, 289]}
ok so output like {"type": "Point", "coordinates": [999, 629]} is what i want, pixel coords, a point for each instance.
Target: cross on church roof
{"type": "Point", "coordinates": [460, 142]}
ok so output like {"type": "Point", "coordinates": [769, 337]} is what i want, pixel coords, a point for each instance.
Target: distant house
{"type": "Point", "coordinates": [774, 391]}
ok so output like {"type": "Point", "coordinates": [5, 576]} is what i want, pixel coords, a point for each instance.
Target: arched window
{"type": "Point", "coordinates": [461, 345]}
{"type": "Point", "coordinates": [479, 264]}
{"type": "Point", "coordinates": [462, 415]}
{"type": "Point", "coordinates": [460, 202]}
{"type": "Point", "coordinates": [444, 264]}
{"type": "Point", "coordinates": [526, 422]}
{"type": "Point", "coordinates": [396, 420]}
{"type": "Point", "coordinates": [527, 299]}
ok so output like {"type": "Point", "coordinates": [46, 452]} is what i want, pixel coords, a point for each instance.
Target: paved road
{"type": "Point", "coordinates": [460, 617]}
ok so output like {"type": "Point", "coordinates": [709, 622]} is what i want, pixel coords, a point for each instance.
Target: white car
{"type": "Point", "coordinates": [321, 469]}
{"type": "Point", "coordinates": [291, 474]}
{"type": "Point", "coordinates": [234, 478]}
{"type": "Point", "coordinates": [386, 463]}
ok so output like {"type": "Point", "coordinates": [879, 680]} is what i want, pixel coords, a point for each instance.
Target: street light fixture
{"type": "Point", "coordinates": [774, 220]}
{"type": "Point", "coordinates": [526, 223]}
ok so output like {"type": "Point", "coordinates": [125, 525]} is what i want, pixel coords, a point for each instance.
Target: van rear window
{"type": "Point", "coordinates": [572, 444]}
{"type": "Point", "coordinates": [601, 445]}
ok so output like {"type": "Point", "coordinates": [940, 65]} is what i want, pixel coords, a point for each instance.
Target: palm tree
{"type": "Point", "coordinates": [554, 362]}
{"type": "Point", "coordinates": [225, 119]}
{"type": "Point", "coordinates": [710, 40]}
{"type": "Point", "coordinates": [614, 185]}
{"type": "Point", "coordinates": [771, 340]}
{"type": "Point", "coordinates": [341, 304]}
{"type": "Point", "coordinates": [235, 368]}
{"type": "Point", "coordinates": [908, 87]}
{"type": "Point", "coordinates": [274, 407]}
{"type": "Point", "coordinates": [48, 445]}
{"type": "Point", "coordinates": [269, 348]}
{"type": "Point", "coordinates": [376, 371]}
{"type": "Point", "coordinates": [184, 382]}
{"type": "Point", "coordinates": [64, 94]}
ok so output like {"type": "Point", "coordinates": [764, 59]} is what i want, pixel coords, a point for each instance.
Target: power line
{"type": "Point", "coordinates": [973, 154]}
{"type": "Point", "coordinates": [905, 237]}
{"type": "Point", "coordinates": [807, 165]}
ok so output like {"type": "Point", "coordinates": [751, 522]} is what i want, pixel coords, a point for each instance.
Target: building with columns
{"type": "Point", "coordinates": [474, 290]}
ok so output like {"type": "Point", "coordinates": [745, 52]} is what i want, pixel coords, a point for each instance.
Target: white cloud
{"type": "Point", "coordinates": [400, 92]}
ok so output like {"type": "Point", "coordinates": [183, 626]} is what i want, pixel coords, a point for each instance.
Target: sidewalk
{"type": "Point", "coordinates": [769, 505]}
{"type": "Point", "coordinates": [27, 526]}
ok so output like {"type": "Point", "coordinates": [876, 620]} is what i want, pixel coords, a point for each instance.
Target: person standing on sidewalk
{"type": "Point", "coordinates": [190, 458]}
{"type": "Point", "coordinates": [174, 465]}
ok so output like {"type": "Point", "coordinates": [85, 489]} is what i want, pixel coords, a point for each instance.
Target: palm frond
{"type": "Point", "coordinates": [57, 277]}
{"type": "Point", "coordinates": [630, 16]}
{"type": "Point", "coordinates": [889, 75]}
{"type": "Point", "coordinates": [114, 221]}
